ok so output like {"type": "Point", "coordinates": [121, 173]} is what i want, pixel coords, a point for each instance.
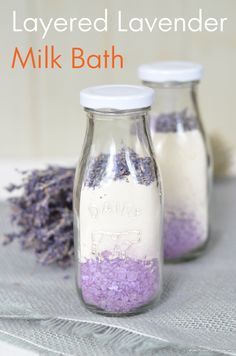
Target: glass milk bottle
{"type": "Point", "coordinates": [180, 147]}
{"type": "Point", "coordinates": [118, 204]}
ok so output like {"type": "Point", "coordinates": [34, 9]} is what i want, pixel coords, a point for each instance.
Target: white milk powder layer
{"type": "Point", "coordinates": [183, 163]}
{"type": "Point", "coordinates": [121, 217]}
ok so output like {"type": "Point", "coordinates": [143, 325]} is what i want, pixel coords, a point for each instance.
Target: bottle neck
{"type": "Point", "coordinates": [112, 131]}
{"type": "Point", "coordinates": [174, 98]}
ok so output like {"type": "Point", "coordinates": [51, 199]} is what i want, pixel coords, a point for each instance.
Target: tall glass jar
{"type": "Point", "coordinates": [182, 152]}
{"type": "Point", "coordinates": [118, 204]}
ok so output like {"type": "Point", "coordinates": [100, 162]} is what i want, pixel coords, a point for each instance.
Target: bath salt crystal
{"type": "Point", "coordinates": [181, 235]}
{"type": "Point", "coordinates": [116, 293]}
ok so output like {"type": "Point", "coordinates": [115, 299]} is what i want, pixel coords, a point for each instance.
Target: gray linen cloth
{"type": "Point", "coordinates": [40, 310]}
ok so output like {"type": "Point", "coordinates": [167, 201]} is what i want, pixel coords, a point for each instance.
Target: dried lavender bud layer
{"type": "Point", "coordinates": [119, 285]}
{"type": "Point", "coordinates": [120, 166]}
{"type": "Point", "coordinates": [182, 234]}
{"type": "Point", "coordinates": [173, 122]}
{"type": "Point", "coordinates": [43, 214]}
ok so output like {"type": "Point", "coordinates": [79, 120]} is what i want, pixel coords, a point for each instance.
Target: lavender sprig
{"type": "Point", "coordinates": [44, 215]}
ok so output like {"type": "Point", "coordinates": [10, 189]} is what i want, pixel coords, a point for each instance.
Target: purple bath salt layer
{"type": "Point", "coordinates": [119, 285]}
{"type": "Point", "coordinates": [120, 166]}
{"type": "Point", "coordinates": [182, 234]}
{"type": "Point", "coordinates": [173, 122]}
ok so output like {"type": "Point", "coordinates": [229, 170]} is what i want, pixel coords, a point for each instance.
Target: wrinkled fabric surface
{"type": "Point", "coordinates": [40, 310]}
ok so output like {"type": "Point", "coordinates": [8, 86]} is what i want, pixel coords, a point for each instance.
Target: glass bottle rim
{"type": "Point", "coordinates": [115, 112]}
{"type": "Point", "coordinates": [172, 84]}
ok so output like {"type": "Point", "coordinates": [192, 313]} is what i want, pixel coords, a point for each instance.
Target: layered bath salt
{"type": "Point", "coordinates": [181, 154]}
{"type": "Point", "coordinates": [120, 218]}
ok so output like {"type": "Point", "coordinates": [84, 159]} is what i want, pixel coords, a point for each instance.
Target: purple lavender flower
{"type": "Point", "coordinates": [173, 122]}
{"type": "Point", "coordinates": [123, 164]}
{"type": "Point", "coordinates": [43, 214]}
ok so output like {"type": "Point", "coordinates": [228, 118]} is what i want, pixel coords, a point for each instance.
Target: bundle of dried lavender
{"type": "Point", "coordinates": [43, 214]}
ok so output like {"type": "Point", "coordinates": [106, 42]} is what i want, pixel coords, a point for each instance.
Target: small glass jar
{"type": "Point", "coordinates": [182, 152]}
{"type": "Point", "coordinates": [118, 204]}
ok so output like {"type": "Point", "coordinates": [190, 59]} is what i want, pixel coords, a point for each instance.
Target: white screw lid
{"type": "Point", "coordinates": [173, 71]}
{"type": "Point", "coordinates": [116, 97]}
